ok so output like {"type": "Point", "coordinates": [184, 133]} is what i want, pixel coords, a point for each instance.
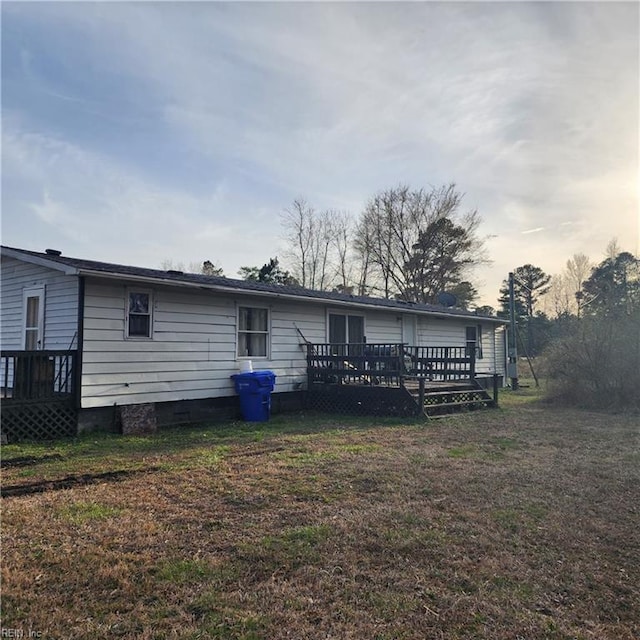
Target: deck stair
{"type": "Point", "coordinates": [442, 398]}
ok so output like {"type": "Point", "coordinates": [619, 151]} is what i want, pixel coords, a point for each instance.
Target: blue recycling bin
{"type": "Point", "coordinates": [254, 389]}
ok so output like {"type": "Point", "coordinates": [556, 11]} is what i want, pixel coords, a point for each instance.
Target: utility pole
{"type": "Point", "coordinates": [513, 344]}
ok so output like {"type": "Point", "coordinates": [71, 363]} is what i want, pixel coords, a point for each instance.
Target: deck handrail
{"type": "Point", "coordinates": [366, 363]}
{"type": "Point", "coordinates": [387, 363]}
{"type": "Point", "coordinates": [39, 375]}
{"type": "Point", "coordinates": [443, 363]}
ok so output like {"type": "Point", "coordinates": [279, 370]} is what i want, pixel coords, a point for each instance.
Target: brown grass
{"type": "Point", "coordinates": [521, 523]}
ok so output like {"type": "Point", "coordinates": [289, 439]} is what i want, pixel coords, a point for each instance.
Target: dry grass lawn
{"type": "Point", "coordinates": [520, 523]}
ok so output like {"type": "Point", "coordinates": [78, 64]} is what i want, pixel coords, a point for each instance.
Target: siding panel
{"type": "Point", "coordinates": [61, 304]}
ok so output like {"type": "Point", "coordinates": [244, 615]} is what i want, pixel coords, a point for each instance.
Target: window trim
{"type": "Point", "coordinates": [127, 327]}
{"type": "Point", "coordinates": [266, 333]}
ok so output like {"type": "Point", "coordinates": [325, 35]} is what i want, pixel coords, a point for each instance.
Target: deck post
{"type": "Point", "coordinates": [421, 393]}
{"type": "Point", "coordinates": [309, 370]}
{"type": "Point", "coordinates": [495, 390]}
{"type": "Point", "coordinates": [472, 364]}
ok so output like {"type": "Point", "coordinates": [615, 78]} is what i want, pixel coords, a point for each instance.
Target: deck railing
{"type": "Point", "coordinates": [441, 363]}
{"type": "Point", "coordinates": [357, 363]}
{"type": "Point", "coordinates": [34, 376]}
{"type": "Point", "coordinates": [387, 363]}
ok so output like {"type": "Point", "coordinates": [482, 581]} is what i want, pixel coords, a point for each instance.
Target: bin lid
{"type": "Point", "coordinates": [248, 375]}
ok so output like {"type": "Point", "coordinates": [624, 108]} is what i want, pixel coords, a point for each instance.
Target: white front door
{"type": "Point", "coordinates": [33, 314]}
{"type": "Point", "coordinates": [409, 336]}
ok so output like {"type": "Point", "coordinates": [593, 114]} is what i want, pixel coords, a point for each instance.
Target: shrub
{"type": "Point", "coordinates": [597, 363]}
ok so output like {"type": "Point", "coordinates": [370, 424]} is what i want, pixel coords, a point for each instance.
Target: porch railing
{"type": "Point", "coordinates": [355, 363]}
{"type": "Point", "coordinates": [34, 376]}
{"type": "Point", "coordinates": [387, 363]}
{"type": "Point", "coordinates": [441, 363]}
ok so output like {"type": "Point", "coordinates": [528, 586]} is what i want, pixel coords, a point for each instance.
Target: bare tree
{"type": "Point", "coordinates": [342, 242]}
{"type": "Point", "coordinates": [561, 298]}
{"type": "Point", "coordinates": [299, 222]}
{"type": "Point", "coordinates": [319, 245]}
{"type": "Point", "coordinates": [612, 249]}
{"type": "Point", "coordinates": [322, 241]}
{"type": "Point", "coordinates": [393, 234]}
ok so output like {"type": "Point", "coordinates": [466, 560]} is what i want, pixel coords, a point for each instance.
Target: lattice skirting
{"type": "Point", "coordinates": [467, 397]}
{"type": "Point", "coordinates": [39, 421]}
{"type": "Point", "coordinates": [361, 400]}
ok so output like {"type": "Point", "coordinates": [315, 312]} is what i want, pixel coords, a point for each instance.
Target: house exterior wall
{"type": "Point", "coordinates": [500, 342]}
{"type": "Point", "coordinates": [60, 304]}
{"type": "Point", "coordinates": [451, 332]}
{"type": "Point", "coordinates": [192, 353]}
{"type": "Point", "coordinates": [383, 326]}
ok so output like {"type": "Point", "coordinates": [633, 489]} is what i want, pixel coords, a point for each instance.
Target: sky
{"type": "Point", "coordinates": [140, 132]}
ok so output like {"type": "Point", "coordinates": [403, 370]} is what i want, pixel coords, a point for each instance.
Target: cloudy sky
{"type": "Point", "coordinates": [140, 132]}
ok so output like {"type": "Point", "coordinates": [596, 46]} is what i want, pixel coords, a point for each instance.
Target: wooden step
{"type": "Point", "coordinates": [436, 394]}
{"type": "Point", "coordinates": [442, 392]}
{"type": "Point", "coordinates": [472, 393]}
{"type": "Point", "coordinates": [452, 405]}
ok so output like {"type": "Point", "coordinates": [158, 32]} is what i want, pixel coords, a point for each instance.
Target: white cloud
{"type": "Point", "coordinates": [532, 109]}
{"type": "Point", "coordinates": [82, 201]}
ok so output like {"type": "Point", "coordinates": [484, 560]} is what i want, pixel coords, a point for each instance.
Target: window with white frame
{"type": "Point", "coordinates": [253, 332]}
{"type": "Point", "coordinates": [139, 314]}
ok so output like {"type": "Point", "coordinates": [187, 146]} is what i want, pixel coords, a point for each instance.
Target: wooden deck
{"type": "Point", "coordinates": [39, 394]}
{"type": "Point", "coordinates": [388, 363]}
{"type": "Point", "coordinates": [430, 379]}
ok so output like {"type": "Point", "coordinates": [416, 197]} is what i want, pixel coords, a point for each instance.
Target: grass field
{"type": "Point", "coordinates": [518, 523]}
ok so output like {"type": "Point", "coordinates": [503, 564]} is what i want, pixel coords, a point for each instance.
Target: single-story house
{"type": "Point", "coordinates": [121, 335]}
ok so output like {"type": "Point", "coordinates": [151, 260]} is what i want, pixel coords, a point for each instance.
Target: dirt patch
{"type": "Point", "coordinates": [25, 461]}
{"type": "Point", "coordinates": [68, 482]}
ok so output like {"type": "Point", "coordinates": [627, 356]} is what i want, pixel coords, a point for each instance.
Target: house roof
{"type": "Point", "coordinates": [81, 267]}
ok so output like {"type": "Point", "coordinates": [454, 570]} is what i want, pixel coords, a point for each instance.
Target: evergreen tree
{"type": "Point", "coordinates": [613, 286]}
{"type": "Point", "coordinates": [271, 273]}
{"type": "Point", "coordinates": [530, 283]}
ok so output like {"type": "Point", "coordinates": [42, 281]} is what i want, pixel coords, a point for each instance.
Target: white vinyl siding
{"type": "Point", "coordinates": [441, 332]}
{"type": "Point", "coordinates": [193, 351]}
{"type": "Point", "coordinates": [60, 304]}
{"type": "Point", "coordinates": [500, 350]}
{"type": "Point", "coordinates": [383, 326]}
{"type": "Point", "coordinates": [194, 348]}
